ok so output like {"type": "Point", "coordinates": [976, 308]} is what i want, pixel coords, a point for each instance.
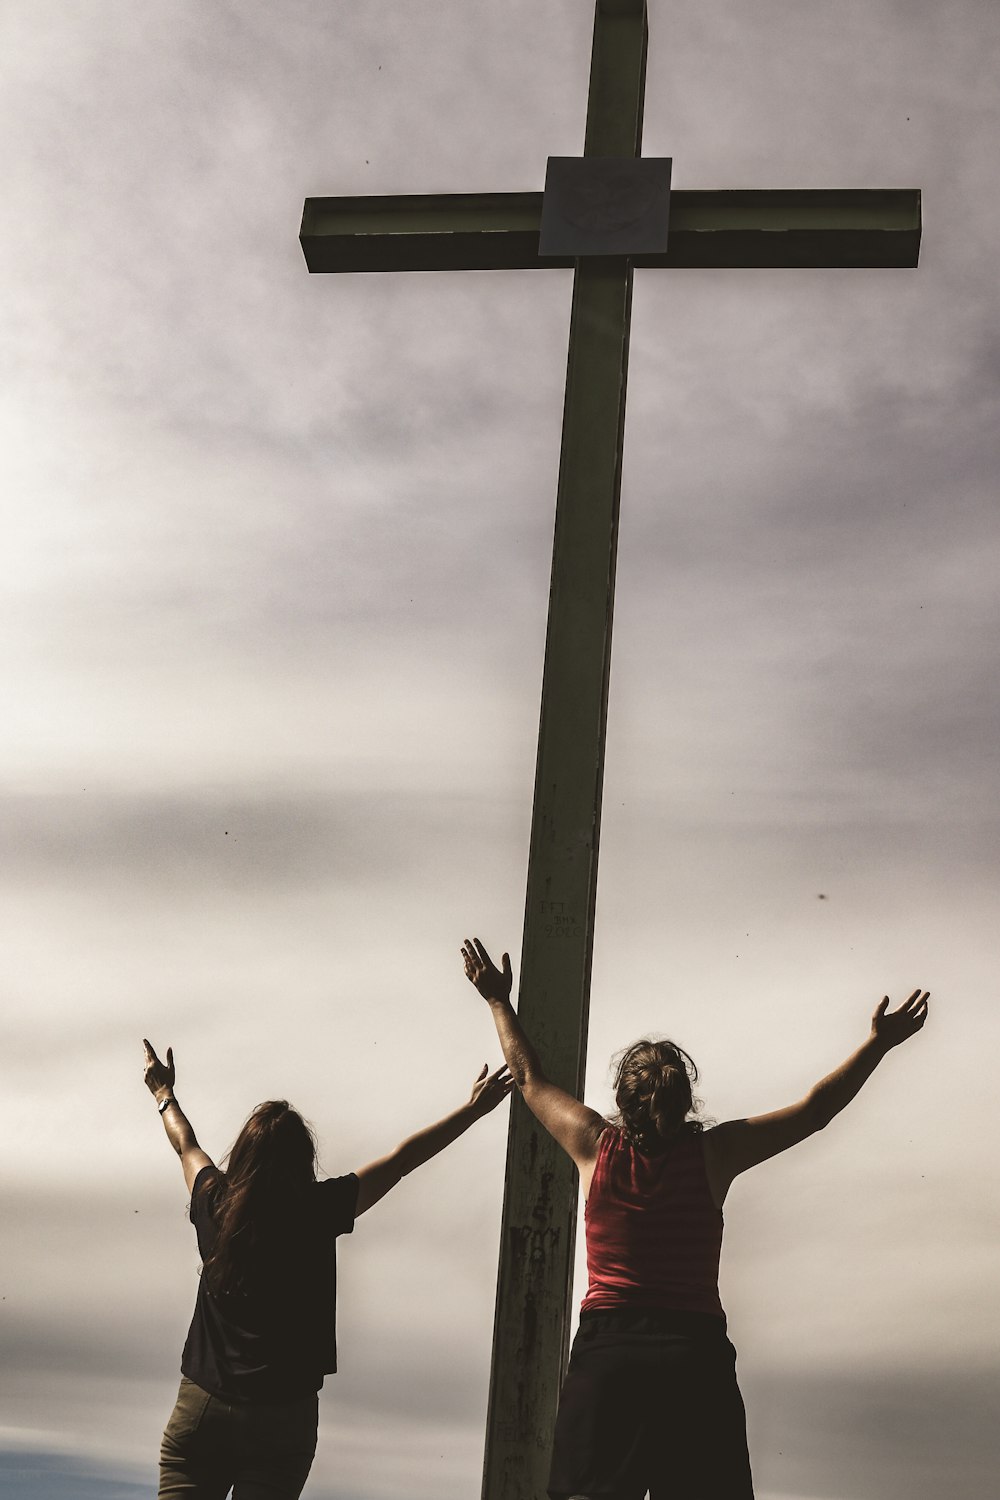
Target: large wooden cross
{"type": "Point", "coordinates": [603, 215]}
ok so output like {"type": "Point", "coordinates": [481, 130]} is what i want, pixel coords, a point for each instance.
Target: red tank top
{"type": "Point", "coordinates": [653, 1233]}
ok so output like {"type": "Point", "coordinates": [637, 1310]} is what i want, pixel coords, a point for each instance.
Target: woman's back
{"type": "Point", "coordinates": [650, 1402]}
{"type": "Point", "coordinates": [274, 1337]}
{"type": "Point", "coordinates": [654, 1235]}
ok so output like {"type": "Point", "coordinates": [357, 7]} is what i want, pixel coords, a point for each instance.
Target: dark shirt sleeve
{"type": "Point", "coordinates": [206, 1178]}
{"type": "Point", "coordinates": [203, 1195]}
{"type": "Point", "coordinates": [340, 1196]}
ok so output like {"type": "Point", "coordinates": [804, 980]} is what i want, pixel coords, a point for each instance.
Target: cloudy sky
{"type": "Point", "coordinates": [275, 567]}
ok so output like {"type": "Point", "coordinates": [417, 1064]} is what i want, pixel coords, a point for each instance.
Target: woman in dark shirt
{"type": "Point", "coordinates": [650, 1401]}
{"type": "Point", "coordinates": [263, 1333]}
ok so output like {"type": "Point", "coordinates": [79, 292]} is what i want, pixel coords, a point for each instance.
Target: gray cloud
{"type": "Point", "coordinates": [233, 843]}
{"type": "Point", "coordinates": [898, 1434]}
{"type": "Point", "coordinates": [276, 556]}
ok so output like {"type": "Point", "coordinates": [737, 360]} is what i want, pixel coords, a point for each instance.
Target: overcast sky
{"type": "Point", "coordinates": [275, 569]}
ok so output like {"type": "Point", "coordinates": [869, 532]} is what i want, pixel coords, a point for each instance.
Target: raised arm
{"type": "Point", "coordinates": [159, 1079]}
{"type": "Point", "coordinates": [737, 1145]}
{"type": "Point", "coordinates": [379, 1176]}
{"type": "Point", "coordinates": [576, 1127]}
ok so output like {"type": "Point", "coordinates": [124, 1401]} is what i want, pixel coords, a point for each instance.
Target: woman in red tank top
{"type": "Point", "coordinates": [650, 1402]}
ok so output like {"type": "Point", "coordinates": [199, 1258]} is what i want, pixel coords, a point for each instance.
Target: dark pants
{"type": "Point", "coordinates": [262, 1451]}
{"type": "Point", "coordinates": [650, 1405]}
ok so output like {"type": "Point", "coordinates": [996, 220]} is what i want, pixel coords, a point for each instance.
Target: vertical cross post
{"type": "Point", "coordinates": [531, 1328]}
{"type": "Point", "coordinates": [479, 231]}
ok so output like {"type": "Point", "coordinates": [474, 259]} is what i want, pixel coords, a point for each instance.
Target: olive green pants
{"type": "Point", "coordinates": [262, 1451]}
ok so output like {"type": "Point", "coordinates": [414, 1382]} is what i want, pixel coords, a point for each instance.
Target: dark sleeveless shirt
{"type": "Point", "coordinates": [654, 1235]}
{"type": "Point", "coordinates": [276, 1342]}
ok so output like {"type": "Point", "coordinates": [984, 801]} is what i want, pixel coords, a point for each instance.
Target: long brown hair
{"type": "Point", "coordinates": [653, 1093]}
{"type": "Point", "coordinates": [262, 1197]}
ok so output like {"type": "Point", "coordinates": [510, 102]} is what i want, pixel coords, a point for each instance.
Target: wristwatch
{"type": "Point", "coordinates": [164, 1102]}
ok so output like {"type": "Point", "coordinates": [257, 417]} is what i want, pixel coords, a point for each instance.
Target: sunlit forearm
{"type": "Point", "coordinates": [519, 1054]}
{"type": "Point", "coordinates": [834, 1092]}
{"type": "Point", "coordinates": [417, 1149]}
{"type": "Point", "coordinates": [176, 1124]}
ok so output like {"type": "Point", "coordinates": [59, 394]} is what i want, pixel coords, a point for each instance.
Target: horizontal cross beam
{"type": "Point", "coordinates": [819, 227]}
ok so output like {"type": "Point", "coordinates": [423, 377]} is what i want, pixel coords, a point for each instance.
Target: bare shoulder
{"type": "Point", "coordinates": [574, 1125]}
{"type": "Point", "coordinates": [193, 1162]}
{"type": "Point", "coordinates": [594, 1127]}
{"type": "Point", "coordinates": [602, 1130]}
{"type": "Point", "coordinates": [737, 1145]}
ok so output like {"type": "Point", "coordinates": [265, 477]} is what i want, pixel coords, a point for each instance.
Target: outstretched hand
{"type": "Point", "coordinates": [490, 1089]}
{"type": "Point", "coordinates": [480, 970]}
{"type": "Point", "coordinates": [158, 1075]}
{"type": "Point", "coordinates": [894, 1026]}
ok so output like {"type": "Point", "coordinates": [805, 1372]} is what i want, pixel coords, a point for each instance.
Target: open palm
{"type": "Point", "coordinates": [491, 982]}
{"type": "Point", "coordinates": [895, 1026]}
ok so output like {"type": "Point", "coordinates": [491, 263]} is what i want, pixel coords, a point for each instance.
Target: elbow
{"type": "Point", "coordinates": [528, 1081]}
{"type": "Point", "coordinates": [403, 1163]}
{"type": "Point", "coordinates": [818, 1113]}
{"type": "Point", "coordinates": [524, 1070]}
